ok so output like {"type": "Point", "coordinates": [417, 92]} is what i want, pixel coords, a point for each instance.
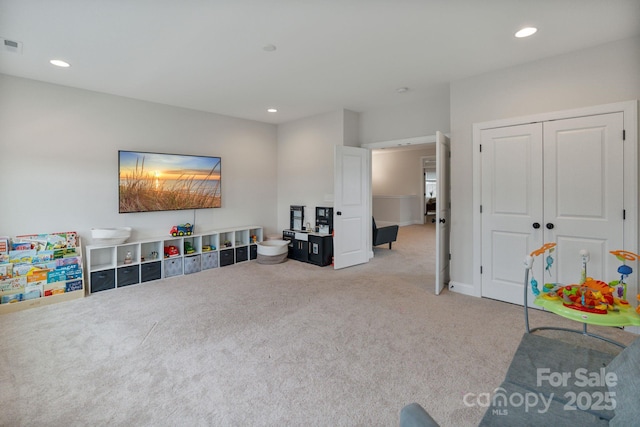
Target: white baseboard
{"type": "Point", "coordinates": [401, 224]}
{"type": "Point", "coordinates": [463, 288]}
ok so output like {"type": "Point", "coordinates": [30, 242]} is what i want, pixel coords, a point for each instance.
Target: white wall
{"type": "Point", "coordinates": [397, 185]}
{"type": "Point", "coordinates": [423, 113]}
{"type": "Point", "coordinates": [305, 163]}
{"type": "Point", "coordinates": [59, 160]}
{"type": "Point", "coordinates": [351, 128]}
{"type": "Point", "coordinates": [396, 176]}
{"type": "Point", "coordinates": [398, 172]}
{"type": "Point", "coordinates": [600, 75]}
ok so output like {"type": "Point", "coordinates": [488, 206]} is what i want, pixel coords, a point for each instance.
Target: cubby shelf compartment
{"type": "Point", "coordinates": [109, 267]}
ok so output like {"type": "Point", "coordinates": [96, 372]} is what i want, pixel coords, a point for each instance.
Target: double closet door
{"type": "Point", "coordinates": [559, 181]}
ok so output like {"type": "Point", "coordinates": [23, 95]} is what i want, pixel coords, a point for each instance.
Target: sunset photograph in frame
{"type": "Point", "coordinates": [164, 182]}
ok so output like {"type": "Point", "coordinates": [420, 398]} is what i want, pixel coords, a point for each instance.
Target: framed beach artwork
{"type": "Point", "coordinates": [164, 182]}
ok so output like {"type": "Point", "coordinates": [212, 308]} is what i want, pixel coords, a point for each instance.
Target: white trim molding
{"type": "Point", "coordinates": [404, 142]}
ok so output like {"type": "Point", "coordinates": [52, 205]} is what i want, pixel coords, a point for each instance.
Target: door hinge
{"type": "Point", "coordinates": [624, 214]}
{"type": "Point", "coordinates": [624, 134]}
{"type": "Point", "coordinates": [449, 257]}
{"type": "Point", "coordinates": [480, 208]}
{"type": "Point", "coordinates": [480, 269]}
{"type": "Point", "coordinates": [481, 148]}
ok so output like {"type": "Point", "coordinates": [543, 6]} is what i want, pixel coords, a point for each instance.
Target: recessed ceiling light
{"type": "Point", "coordinates": [59, 63]}
{"type": "Point", "coordinates": [402, 89]}
{"type": "Point", "coordinates": [268, 48]}
{"type": "Point", "coordinates": [526, 32]}
{"type": "Point", "coordinates": [272, 110]}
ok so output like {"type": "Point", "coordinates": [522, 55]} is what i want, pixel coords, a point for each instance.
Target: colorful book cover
{"type": "Point", "coordinates": [20, 256]}
{"type": "Point", "coordinates": [56, 276]}
{"type": "Point", "coordinates": [50, 265]}
{"type": "Point", "coordinates": [8, 299]}
{"type": "Point", "coordinates": [75, 285]}
{"type": "Point", "coordinates": [37, 276]}
{"type": "Point", "coordinates": [42, 256]}
{"type": "Point", "coordinates": [13, 286]}
{"type": "Point", "coordinates": [4, 245]}
{"type": "Point", "coordinates": [39, 245]}
{"type": "Point", "coordinates": [54, 288]}
{"type": "Point", "coordinates": [6, 271]}
{"type": "Point", "coordinates": [60, 262]}
{"type": "Point", "coordinates": [33, 290]}
{"type": "Point", "coordinates": [20, 246]}
{"type": "Point", "coordinates": [22, 269]}
{"type": "Point", "coordinates": [74, 274]}
{"type": "Point", "coordinates": [52, 240]}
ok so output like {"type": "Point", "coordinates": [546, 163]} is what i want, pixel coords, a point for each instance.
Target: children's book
{"type": "Point", "coordinates": [6, 271]}
{"type": "Point", "coordinates": [21, 256]}
{"type": "Point", "coordinates": [11, 289]}
{"type": "Point", "coordinates": [4, 245]}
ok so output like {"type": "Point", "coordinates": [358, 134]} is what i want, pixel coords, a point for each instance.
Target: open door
{"type": "Point", "coordinates": [352, 206]}
{"type": "Point", "coordinates": [443, 210]}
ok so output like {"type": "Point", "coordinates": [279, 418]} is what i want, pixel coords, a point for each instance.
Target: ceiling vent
{"type": "Point", "coordinates": [11, 46]}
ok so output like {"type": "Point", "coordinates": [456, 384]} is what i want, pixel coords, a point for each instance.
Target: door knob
{"type": "Point", "coordinates": [433, 220]}
{"type": "Point", "coordinates": [442, 220]}
{"type": "Point", "coordinates": [549, 226]}
{"type": "Point", "coordinates": [338, 213]}
{"type": "Point", "coordinates": [536, 225]}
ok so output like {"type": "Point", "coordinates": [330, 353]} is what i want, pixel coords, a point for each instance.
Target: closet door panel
{"type": "Point", "coordinates": [567, 264]}
{"type": "Point", "coordinates": [511, 204]}
{"type": "Point", "coordinates": [580, 175]}
{"type": "Point", "coordinates": [583, 192]}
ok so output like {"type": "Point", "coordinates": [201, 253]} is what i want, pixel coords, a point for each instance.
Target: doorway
{"type": "Point", "coordinates": [430, 181]}
{"type": "Point", "coordinates": [404, 180]}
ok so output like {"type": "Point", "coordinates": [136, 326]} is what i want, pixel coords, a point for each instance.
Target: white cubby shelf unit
{"type": "Point", "coordinates": [115, 266]}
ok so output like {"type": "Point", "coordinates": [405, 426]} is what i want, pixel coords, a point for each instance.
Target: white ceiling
{"type": "Point", "coordinates": [208, 54]}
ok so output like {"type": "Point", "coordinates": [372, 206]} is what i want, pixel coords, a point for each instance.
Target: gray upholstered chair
{"type": "Point", "coordinates": [414, 415]}
{"type": "Point", "coordinates": [383, 235]}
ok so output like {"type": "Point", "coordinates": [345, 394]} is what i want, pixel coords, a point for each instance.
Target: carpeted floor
{"type": "Point", "coordinates": [250, 344]}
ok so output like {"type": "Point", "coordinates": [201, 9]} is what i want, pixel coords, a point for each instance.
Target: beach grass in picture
{"type": "Point", "coordinates": [164, 182]}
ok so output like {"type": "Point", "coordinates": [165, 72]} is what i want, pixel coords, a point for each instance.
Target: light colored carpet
{"type": "Point", "coordinates": [251, 344]}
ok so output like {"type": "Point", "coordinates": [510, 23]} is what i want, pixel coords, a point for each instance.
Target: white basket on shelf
{"type": "Point", "coordinates": [110, 236]}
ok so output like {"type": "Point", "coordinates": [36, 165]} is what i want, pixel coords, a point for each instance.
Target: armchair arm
{"type": "Point", "coordinates": [414, 415]}
{"type": "Point", "coordinates": [386, 234]}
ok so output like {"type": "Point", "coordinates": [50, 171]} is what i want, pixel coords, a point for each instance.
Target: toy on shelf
{"type": "Point", "coordinates": [171, 251]}
{"type": "Point", "coordinates": [188, 248]}
{"type": "Point", "coordinates": [181, 230]}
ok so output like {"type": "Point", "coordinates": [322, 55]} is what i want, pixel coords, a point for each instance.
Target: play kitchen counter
{"type": "Point", "coordinates": [311, 247]}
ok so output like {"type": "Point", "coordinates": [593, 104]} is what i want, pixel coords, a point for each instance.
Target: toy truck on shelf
{"type": "Point", "coordinates": [181, 230]}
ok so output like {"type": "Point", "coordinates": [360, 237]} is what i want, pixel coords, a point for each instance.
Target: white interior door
{"type": "Point", "coordinates": [352, 206]}
{"type": "Point", "coordinates": [583, 193]}
{"type": "Point", "coordinates": [511, 208]}
{"type": "Point", "coordinates": [443, 210]}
